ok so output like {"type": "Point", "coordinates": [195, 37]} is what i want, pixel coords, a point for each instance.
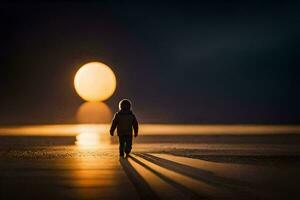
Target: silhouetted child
{"type": "Point", "coordinates": [124, 121]}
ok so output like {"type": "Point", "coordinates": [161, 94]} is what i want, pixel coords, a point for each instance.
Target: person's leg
{"type": "Point", "coordinates": [121, 144]}
{"type": "Point", "coordinates": [128, 144]}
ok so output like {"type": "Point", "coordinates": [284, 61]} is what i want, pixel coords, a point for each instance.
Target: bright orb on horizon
{"type": "Point", "coordinates": [95, 81]}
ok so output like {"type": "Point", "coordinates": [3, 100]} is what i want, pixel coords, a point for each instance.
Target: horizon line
{"type": "Point", "coordinates": [151, 129]}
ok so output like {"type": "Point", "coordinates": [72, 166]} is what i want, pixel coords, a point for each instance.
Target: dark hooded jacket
{"type": "Point", "coordinates": [124, 121]}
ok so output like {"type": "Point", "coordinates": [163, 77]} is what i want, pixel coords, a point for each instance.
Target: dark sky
{"type": "Point", "coordinates": [179, 62]}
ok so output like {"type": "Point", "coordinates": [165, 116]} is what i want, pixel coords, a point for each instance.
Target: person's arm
{"type": "Point", "coordinates": [114, 124]}
{"type": "Point", "coordinates": [135, 125]}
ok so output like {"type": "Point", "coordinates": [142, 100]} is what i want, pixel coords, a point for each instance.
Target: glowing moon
{"type": "Point", "coordinates": [95, 81]}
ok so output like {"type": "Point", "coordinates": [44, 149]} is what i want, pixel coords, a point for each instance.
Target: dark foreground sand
{"type": "Point", "coordinates": [161, 167]}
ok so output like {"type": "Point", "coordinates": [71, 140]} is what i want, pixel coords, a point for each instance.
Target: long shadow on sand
{"type": "Point", "coordinates": [143, 189]}
{"type": "Point", "coordinates": [189, 194]}
{"type": "Point", "coordinates": [224, 187]}
{"type": "Point", "coordinates": [200, 174]}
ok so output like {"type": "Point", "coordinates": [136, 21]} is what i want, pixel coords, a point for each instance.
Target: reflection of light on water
{"type": "Point", "coordinates": [94, 112]}
{"type": "Point", "coordinates": [93, 169]}
{"type": "Point", "coordinates": [88, 139]}
{"type": "Point", "coordinates": [91, 137]}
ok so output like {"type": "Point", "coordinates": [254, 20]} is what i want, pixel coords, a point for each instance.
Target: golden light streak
{"type": "Point", "coordinates": [150, 129]}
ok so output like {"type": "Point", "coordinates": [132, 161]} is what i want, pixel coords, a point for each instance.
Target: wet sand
{"type": "Point", "coordinates": [160, 167]}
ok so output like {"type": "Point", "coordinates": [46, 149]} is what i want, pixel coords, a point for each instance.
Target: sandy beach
{"type": "Point", "coordinates": [160, 167]}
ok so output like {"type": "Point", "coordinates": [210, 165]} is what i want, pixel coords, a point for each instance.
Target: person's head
{"type": "Point", "coordinates": [125, 105]}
